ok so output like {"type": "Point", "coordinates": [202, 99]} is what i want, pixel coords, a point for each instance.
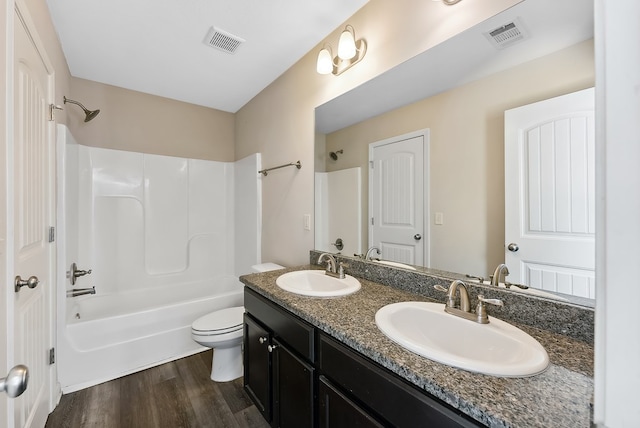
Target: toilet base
{"type": "Point", "coordinates": [226, 364]}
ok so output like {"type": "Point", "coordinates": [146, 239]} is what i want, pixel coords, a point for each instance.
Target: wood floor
{"type": "Point", "coordinates": [175, 394]}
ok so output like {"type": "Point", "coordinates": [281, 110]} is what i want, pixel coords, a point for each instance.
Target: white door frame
{"type": "Point", "coordinates": [617, 348]}
{"type": "Point", "coordinates": [426, 240]}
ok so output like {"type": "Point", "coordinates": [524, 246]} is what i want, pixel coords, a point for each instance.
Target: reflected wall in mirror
{"type": "Point", "coordinates": [463, 108]}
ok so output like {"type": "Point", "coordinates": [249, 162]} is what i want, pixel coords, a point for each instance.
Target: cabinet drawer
{"type": "Point", "coordinates": [297, 334]}
{"type": "Point", "coordinates": [337, 411]}
{"type": "Point", "coordinates": [373, 385]}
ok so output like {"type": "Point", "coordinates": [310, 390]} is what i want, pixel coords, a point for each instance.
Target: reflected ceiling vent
{"type": "Point", "coordinates": [222, 40]}
{"type": "Point", "coordinates": [507, 35]}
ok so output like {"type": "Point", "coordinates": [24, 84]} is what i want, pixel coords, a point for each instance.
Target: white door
{"type": "Point", "coordinates": [397, 198]}
{"type": "Point", "coordinates": [549, 194]}
{"type": "Point", "coordinates": [30, 196]}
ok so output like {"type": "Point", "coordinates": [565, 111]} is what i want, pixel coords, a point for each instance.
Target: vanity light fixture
{"type": "Point", "coordinates": [350, 52]}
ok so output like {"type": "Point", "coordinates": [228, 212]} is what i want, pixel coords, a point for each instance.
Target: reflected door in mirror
{"type": "Point", "coordinates": [397, 195]}
{"type": "Point", "coordinates": [549, 194]}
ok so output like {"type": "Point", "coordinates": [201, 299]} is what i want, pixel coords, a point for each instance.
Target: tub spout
{"type": "Point", "coordinates": [74, 292]}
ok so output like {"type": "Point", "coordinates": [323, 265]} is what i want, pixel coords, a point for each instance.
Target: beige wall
{"type": "Point", "coordinates": [139, 122]}
{"type": "Point", "coordinates": [466, 151]}
{"type": "Point", "coordinates": [279, 122]}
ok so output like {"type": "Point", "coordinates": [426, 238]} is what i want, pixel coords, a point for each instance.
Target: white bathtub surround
{"type": "Point", "coordinates": [247, 213]}
{"type": "Point", "coordinates": [338, 201]}
{"type": "Point", "coordinates": [109, 343]}
{"type": "Point", "coordinates": [159, 234]}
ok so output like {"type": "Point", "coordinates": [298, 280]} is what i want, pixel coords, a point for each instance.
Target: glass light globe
{"type": "Point", "coordinates": [325, 62]}
{"type": "Point", "coordinates": [346, 45]}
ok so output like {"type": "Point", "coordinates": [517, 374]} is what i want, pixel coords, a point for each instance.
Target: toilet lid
{"type": "Point", "coordinates": [219, 322]}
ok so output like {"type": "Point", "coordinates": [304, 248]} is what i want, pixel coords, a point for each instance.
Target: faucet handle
{"type": "Point", "coordinates": [451, 303]}
{"type": "Point", "coordinates": [341, 267]}
{"type": "Point", "coordinates": [441, 288]}
{"type": "Point", "coordinates": [496, 302]}
{"type": "Point", "coordinates": [481, 309]}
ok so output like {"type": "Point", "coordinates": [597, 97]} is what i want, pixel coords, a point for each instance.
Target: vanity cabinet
{"type": "Point", "coordinates": [301, 377]}
{"type": "Point", "coordinates": [379, 393]}
{"type": "Point", "coordinates": [279, 363]}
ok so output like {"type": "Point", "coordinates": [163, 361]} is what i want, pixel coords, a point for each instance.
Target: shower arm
{"type": "Point", "coordinates": [89, 114]}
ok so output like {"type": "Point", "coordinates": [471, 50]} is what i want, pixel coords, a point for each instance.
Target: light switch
{"type": "Point", "coordinates": [306, 221]}
{"type": "Point", "coordinates": [439, 219]}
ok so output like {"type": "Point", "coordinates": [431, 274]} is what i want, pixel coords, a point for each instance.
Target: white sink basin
{"type": "Point", "coordinates": [497, 348]}
{"type": "Point", "coordinates": [395, 264]}
{"type": "Point", "coordinates": [316, 283]}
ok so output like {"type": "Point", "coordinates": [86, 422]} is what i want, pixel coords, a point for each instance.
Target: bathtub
{"type": "Point", "coordinates": [111, 335]}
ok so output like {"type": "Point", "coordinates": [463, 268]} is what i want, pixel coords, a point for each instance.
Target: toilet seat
{"type": "Point", "coordinates": [219, 322]}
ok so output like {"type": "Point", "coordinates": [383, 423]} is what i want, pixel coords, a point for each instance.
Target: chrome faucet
{"type": "Point", "coordinates": [480, 315]}
{"type": "Point", "coordinates": [74, 292]}
{"type": "Point", "coordinates": [331, 261]}
{"type": "Point", "coordinates": [331, 269]}
{"type": "Point", "coordinates": [451, 295]}
{"type": "Point", "coordinates": [371, 250]}
{"type": "Point", "coordinates": [501, 272]}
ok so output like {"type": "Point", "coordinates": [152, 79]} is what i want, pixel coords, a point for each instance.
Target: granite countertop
{"type": "Point", "coordinates": [559, 397]}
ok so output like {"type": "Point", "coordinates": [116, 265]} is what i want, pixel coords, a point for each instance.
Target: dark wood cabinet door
{"type": "Point", "coordinates": [257, 365]}
{"type": "Point", "coordinates": [293, 389]}
{"type": "Point", "coordinates": [335, 410]}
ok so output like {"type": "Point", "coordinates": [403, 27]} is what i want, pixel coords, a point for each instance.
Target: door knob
{"type": "Point", "coordinates": [513, 247]}
{"type": "Point", "coordinates": [272, 348]}
{"type": "Point", "coordinates": [16, 381]}
{"type": "Point", "coordinates": [417, 237]}
{"type": "Point", "coordinates": [32, 282]}
{"type": "Point", "coordinates": [262, 340]}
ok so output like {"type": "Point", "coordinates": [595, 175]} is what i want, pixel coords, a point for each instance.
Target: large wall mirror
{"type": "Point", "coordinates": [458, 91]}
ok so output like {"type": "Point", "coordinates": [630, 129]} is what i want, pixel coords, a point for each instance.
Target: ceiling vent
{"type": "Point", "coordinates": [222, 40]}
{"type": "Point", "coordinates": [507, 34]}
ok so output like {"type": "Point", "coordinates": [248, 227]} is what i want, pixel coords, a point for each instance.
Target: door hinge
{"type": "Point", "coordinates": [52, 356]}
{"type": "Point", "coordinates": [52, 234]}
{"type": "Point", "coordinates": [371, 164]}
{"type": "Point", "coordinates": [372, 222]}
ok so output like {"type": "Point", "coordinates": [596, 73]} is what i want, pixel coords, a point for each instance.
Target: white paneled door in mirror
{"type": "Point", "coordinates": [398, 211]}
{"type": "Point", "coordinates": [549, 194]}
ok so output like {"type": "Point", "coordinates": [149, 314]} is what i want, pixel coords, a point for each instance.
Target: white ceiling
{"type": "Point", "coordinates": [156, 46]}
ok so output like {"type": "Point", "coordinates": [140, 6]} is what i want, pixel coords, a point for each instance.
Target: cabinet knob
{"type": "Point", "coordinates": [262, 340]}
{"type": "Point", "coordinates": [272, 348]}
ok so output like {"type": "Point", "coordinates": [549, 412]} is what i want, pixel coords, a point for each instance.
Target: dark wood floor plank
{"type": "Point", "coordinates": [102, 405]}
{"type": "Point", "coordinates": [176, 394]}
{"type": "Point", "coordinates": [234, 395]}
{"type": "Point", "coordinates": [251, 418]}
{"type": "Point", "coordinates": [68, 412]}
{"type": "Point", "coordinates": [175, 408]}
{"type": "Point", "coordinates": [206, 398]}
{"type": "Point", "coordinates": [137, 408]}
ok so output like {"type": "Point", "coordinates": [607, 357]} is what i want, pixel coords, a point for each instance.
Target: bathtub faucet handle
{"type": "Point", "coordinates": [75, 273]}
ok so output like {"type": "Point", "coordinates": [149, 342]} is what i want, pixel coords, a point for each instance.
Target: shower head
{"type": "Point", "coordinates": [89, 114]}
{"type": "Point", "coordinates": [334, 155]}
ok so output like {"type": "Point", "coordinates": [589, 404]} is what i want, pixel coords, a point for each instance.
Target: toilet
{"type": "Point", "coordinates": [222, 330]}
